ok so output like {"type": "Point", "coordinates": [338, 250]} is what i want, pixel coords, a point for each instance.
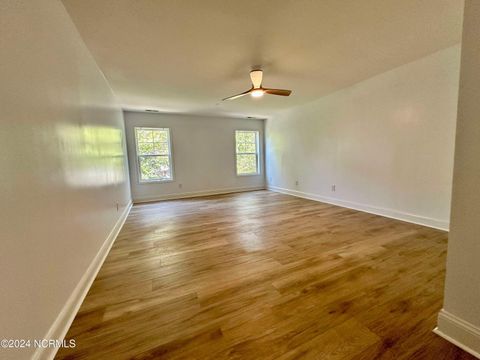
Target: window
{"type": "Point", "coordinates": [246, 145]}
{"type": "Point", "coordinates": [154, 154]}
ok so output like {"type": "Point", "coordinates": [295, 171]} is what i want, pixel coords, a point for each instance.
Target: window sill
{"type": "Point", "coordinates": [254, 174]}
{"type": "Point", "coordinates": [143, 182]}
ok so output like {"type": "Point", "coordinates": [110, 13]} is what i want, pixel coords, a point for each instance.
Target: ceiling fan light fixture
{"type": "Point", "coordinates": [257, 90]}
{"type": "Point", "coordinates": [257, 93]}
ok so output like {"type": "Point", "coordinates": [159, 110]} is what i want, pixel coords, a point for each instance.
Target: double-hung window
{"type": "Point", "coordinates": [154, 154]}
{"type": "Point", "coordinates": [247, 154]}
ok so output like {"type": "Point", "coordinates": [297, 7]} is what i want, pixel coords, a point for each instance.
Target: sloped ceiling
{"type": "Point", "coordinates": [186, 55]}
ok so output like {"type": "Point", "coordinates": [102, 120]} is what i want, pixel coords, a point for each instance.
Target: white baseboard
{"type": "Point", "coordinates": [195, 194]}
{"type": "Point", "coordinates": [390, 213]}
{"type": "Point", "coordinates": [62, 323]}
{"type": "Point", "coordinates": [459, 332]}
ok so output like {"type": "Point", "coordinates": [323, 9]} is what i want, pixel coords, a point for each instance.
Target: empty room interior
{"type": "Point", "coordinates": [216, 179]}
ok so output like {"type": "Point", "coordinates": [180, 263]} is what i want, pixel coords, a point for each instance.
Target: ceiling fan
{"type": "Point", "coordinates": [257, 90]}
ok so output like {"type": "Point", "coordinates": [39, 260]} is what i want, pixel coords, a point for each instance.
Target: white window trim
{"type": "Point", "coordinates": [257, 154]}
{"type": "Point", "coordinates": [170, 156]}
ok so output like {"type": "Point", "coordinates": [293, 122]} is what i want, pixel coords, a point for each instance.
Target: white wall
{"type": "Point", "coordinates": [386, 143]}
{"type": "Point", "coordinates": [203, 155]}
{"type": "Point", "coordinates": [63, 166]}
{"type": "Point", "coordinates": [459, 321]}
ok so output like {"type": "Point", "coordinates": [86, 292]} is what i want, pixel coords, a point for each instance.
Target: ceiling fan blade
{"type": "Point", "coordinates": [233, 97]}
{"type": "Point", "coordinates": [280, 92]}
{"type": "Point", "coordinates": [256, 76]}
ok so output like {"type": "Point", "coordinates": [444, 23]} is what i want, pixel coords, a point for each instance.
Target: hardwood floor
{"type": "Point", "coordinates": [262, 275]}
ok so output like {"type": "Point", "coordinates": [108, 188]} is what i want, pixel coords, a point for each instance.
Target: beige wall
{"type": "Point", "coordinates": [386, 143]}
{"type": "Point", "coordinates": [63, 165]}
{"type": "Point", "coordinates": [203, 155]}
{"type": "Point", "coordinates": [460, 318]}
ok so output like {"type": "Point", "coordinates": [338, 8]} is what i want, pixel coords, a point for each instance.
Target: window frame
{"type": "Point", "coordinates": [257, 153]}
{"type": "Point", "coordinates": [170, 155]}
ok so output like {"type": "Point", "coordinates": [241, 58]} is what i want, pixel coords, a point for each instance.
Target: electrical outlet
{"type": "Point", "coordinates": [296, 182]}
{"type": "Point", "coordinates": [334, 187]}
{"type": "Point", "coordinates": [180, 186]}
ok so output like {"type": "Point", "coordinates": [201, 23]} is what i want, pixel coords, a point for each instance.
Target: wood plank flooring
{"type": "Point", "coordinates": [262, 275]}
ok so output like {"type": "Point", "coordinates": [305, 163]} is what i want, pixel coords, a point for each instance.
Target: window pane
{"type": "Point", "coordinates": [250, 137]}
{"type": "Point", "coordinates": [161, 148]}
{"type": "Point", "coordinates": [239, 136]}
{"type": "Point", "coordinates": [246, 148]}
{"type": "Point", "coordinates": [240, 148]}
{"type": "Point", "coordinates": [144, 135]}
{"type": "Point", "coordinates": [246, 136]}
{"type": "Point", "coordinates": [247, 164]}
{"type": "Point", "coordinates": [251, 148]}
{"type": "Point", "coordinates": [145, 149]}
{"type": "Point", "coordinates": [154, 168]}
{"type": "Point", "coordinates": [160, 135]}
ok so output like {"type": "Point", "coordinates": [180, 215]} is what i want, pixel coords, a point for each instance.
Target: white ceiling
{"type": "Point", "coordinates": [186, 55]}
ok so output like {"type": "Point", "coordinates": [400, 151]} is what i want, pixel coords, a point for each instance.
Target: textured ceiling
{"type": "Point", "coordinates": [186, 55]}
